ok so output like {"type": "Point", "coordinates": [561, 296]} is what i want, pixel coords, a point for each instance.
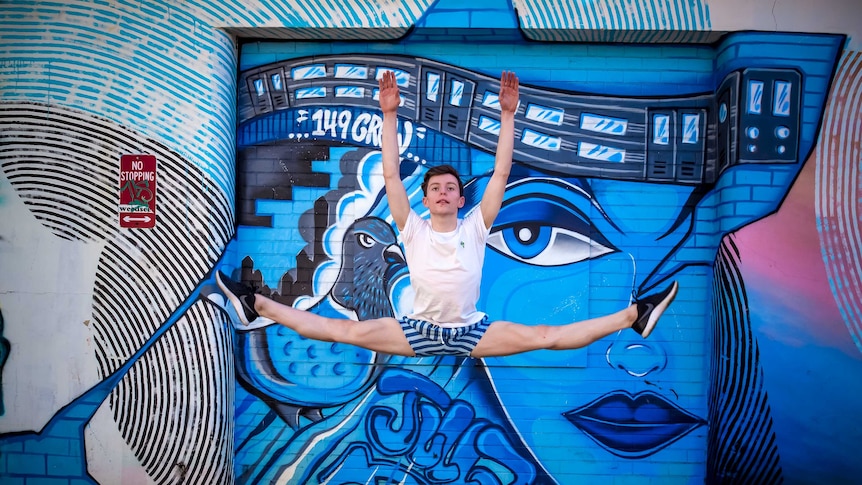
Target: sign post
{"type": "Point", "coordinates": [137, 191]}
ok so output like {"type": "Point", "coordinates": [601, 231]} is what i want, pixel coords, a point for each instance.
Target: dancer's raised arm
{"type": "Point", "coordinates": [390, 98]}
{"type": "Point", "coordinates": [492, 199]}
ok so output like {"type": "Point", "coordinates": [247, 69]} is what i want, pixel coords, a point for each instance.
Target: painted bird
{"type": "Point", "coordinates": [298, 376]}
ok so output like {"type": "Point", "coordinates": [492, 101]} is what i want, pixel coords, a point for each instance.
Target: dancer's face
{"type": "Point", "coordinates": [443, 195]}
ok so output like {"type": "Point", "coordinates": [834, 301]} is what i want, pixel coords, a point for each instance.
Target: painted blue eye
{"type": "Point", "coordinates": [527, 241]}
{"type": "Point", "coordinates": [545, 231]}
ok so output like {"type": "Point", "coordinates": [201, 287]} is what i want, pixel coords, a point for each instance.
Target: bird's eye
{"type": "Point", "coordinates": [546, 232]}
{"type": "Point", "coordinates": [364, 240]}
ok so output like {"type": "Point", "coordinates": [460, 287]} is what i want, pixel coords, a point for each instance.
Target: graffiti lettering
{"type": "Point", "coordinates": [442, 439]}
{"type": "Point", "coordinates": [367, 129]}
{"type": "Point", "coordinates": [363, 128]}
{"type": "Point", "coordinates": [328, 121]}
{"type": "Point", "coordinates": [405, 137]}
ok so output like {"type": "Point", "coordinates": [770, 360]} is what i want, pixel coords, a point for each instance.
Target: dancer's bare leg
{"type": "Point", "coordinates": [501, 338]}
{"type": "Point", "coordinates": [507, 338]}
{"type": "Point", "coordinates": [380, 335]}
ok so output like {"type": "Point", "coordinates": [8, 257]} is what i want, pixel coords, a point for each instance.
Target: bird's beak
{"type": "Point", "coordinates": [395, 262]}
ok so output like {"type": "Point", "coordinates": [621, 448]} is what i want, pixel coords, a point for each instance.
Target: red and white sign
{"type": "Point", "coordinates": [137, 191]}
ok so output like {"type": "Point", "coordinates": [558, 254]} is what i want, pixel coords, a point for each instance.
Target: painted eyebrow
{"type": "Point", "coordinates": [581, 191]}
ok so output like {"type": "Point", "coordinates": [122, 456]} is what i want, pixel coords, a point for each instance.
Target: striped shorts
{"type": "Point", "coordinates": [428, 339]}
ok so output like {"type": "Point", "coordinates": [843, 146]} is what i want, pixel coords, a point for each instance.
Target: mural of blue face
{"type": "Point", "coordinates": [565, 250]}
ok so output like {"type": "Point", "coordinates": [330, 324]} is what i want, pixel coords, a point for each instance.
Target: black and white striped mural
{"type": "Point", "coordinates": [174, 397]}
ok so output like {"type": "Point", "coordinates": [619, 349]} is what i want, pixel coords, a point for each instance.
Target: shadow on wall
{"type": "Point", "coordinates": [5, 349]}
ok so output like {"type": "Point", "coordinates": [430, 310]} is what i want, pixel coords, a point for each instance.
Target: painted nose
{"type": "Point", "coordinates": [636, 357]}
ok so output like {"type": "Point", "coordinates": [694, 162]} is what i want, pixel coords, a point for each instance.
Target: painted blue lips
{"type": "Point", "coordinates": [633, 425]}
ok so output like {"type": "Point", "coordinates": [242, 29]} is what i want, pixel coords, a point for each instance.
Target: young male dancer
{"type": "Point", "coordinates": [445, 256]}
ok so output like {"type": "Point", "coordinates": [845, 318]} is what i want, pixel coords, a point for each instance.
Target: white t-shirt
{"type": "Point", "coordinates": [446, 269]}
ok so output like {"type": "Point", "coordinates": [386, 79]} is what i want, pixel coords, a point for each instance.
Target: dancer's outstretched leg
{"type": "Point", "coordinates": [507, 338]}
{"type": "Point", "coordinates": [501, 338]}
{"type": "Point", "coordinates": [380, 335]}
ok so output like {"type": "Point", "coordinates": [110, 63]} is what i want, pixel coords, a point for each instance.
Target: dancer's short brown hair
{"type": "Point", "coordinates": [441, 170]}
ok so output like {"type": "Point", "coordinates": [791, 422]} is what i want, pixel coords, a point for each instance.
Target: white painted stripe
{"type": "Point", "coordinates": [614, 17]}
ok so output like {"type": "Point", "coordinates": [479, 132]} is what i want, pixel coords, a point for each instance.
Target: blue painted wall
{"type": "Point", "coordinates": [680, 151]}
